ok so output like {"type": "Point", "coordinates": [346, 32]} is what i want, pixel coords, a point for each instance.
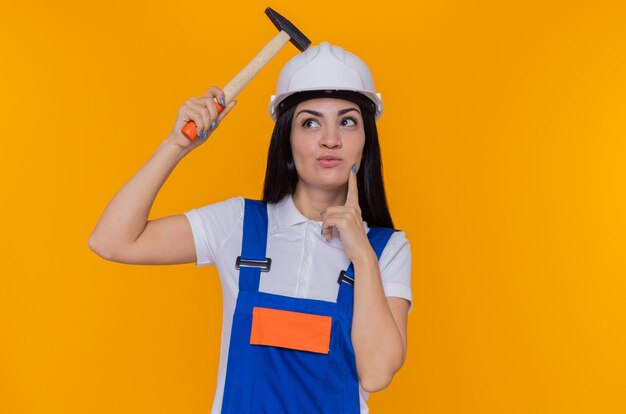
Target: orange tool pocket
{"type": "Point", "coordinates": [293, 330]}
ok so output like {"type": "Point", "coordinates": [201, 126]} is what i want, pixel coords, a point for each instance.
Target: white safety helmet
{"type": "Point", "coordinates": [325, 68]}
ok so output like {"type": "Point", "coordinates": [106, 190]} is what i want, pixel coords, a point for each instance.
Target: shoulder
{"type": "Point", "coordinates": [397, 249]}
{"type": "Point", "coordinates": [396, 267]}
{"type": "Point", "coordinates": [228, 211]}
{"type": "Point", "coordinates": [235, 204]}
{"type": "Point", "coordinates": [397, 240]}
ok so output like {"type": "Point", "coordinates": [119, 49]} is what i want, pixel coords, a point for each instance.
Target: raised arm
{"type": "Point", "coordinates": [123, 233]}
{"type": "Point", "coordinates": [379, 324]}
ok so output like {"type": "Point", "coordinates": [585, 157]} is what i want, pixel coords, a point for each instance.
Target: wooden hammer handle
{"type": "Point", "coordinates": [232, 89]}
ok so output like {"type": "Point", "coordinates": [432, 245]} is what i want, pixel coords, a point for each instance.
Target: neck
{"type": "Point", "coordinates": [312, 201]}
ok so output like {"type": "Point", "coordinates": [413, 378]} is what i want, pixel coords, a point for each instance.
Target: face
{"type": "Point", "coordinates": [327, 138]}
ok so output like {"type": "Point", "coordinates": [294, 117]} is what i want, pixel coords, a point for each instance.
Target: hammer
{"type": "Point", "coordinates": [287, 32]}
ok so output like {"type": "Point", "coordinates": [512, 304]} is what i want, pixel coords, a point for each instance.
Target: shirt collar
{"type": "Point", "coordinates": [287, 214]}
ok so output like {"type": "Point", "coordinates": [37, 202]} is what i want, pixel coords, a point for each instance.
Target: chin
{"type": "Point", "coordinates": [329, 184]}
{"type": "Point", "coordinates": [329, 180]}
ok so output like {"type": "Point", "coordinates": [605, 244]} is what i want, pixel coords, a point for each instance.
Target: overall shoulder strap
{"type": "Point", "coordinates": [378, 237]}
{"type": "Point", "coordinates": [253, 246]}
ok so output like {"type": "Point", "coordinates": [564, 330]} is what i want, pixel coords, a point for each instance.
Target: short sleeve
{"type": "Point", "coordinates": [395, 267]}
{"type": "Point", "coordinates": [211, 226]}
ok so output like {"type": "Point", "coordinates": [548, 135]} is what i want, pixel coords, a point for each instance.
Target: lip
{"type": "Point", "coordinates": [329, 161]}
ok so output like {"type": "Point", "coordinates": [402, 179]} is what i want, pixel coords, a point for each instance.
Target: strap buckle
{"type": "Point", "coordinates": [264, 265]}
{"type": "Point", "coordinates": [343, 277]}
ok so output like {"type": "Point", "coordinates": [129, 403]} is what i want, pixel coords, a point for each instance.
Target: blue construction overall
{"type": "Point", "coordinates": [274, 374]}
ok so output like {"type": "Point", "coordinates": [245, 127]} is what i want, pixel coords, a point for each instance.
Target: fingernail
{"type": "Point", "coordinates": [213, 125]}
{"type": "Point", "coordinates": [236, 102]}
{"type": "Point", "coordinates": [204, 134]}
{"type": "Point", "coordinates": [223, 101]}
{"type": "Point", "coordinates": [354, 168]}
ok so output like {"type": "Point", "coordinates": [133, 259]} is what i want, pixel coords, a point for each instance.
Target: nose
{"type": "Point", "coordinates": [331, 138]}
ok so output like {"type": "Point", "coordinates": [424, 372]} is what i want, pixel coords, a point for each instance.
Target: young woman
{"type": "Point", "coordinates": [316, 282]}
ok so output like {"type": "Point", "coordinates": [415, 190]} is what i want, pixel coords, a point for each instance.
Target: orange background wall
{"type": "Point", "coordinates": [503, 142]}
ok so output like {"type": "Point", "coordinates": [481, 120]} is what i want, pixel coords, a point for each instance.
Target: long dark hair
{"type": "Point", "coordinates": [281, 175]}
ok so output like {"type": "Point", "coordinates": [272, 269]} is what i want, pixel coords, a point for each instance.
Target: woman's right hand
{"type": "Point", "coordinates": [203, 112]}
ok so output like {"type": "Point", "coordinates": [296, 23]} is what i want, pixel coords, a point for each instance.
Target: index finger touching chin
{"type": "Point", "coordinates": [352, 198]}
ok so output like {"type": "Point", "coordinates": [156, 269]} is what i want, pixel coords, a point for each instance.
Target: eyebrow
{"type": "Point", "coordinates": [345, 111]}
{"type": "Point", "coordinates": [341, 112]}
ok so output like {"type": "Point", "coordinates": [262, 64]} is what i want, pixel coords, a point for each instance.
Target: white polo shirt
{"type": "Point", "coordinates": [304, 264]}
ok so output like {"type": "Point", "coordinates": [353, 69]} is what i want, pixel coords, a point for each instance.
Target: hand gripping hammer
{"type": "Point", "coordinates": [287, 32]}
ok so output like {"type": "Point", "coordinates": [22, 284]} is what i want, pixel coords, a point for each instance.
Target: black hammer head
{"type": "Point", "coordinates": [296, 36]}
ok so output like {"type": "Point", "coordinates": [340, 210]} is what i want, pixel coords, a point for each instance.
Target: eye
{"type": "Point", "coordinates": [349, 121]}
{"type": "Point", "coordinates": [310, 123]}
